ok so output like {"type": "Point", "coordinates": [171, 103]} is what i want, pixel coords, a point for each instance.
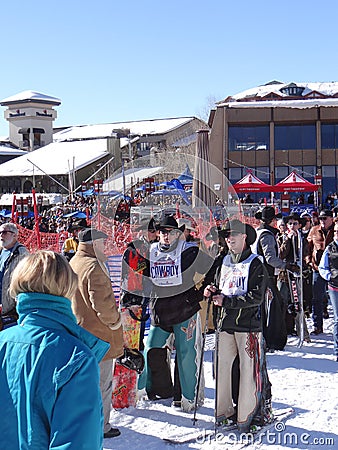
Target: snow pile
{"type": "Point", "coordinates": [304, 379]}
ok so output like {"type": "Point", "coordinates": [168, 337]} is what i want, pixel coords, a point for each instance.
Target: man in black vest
{"type": "Point", "coordinates": [266, 245]}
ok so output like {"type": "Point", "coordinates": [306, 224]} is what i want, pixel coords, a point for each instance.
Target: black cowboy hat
{"type": "Point", "coordinates": [146, 224]}
{"type": "Point", "coordinates": [266, 214]}
{"type": "Point", "coordinates": [214, 233]}
{"type": "Point", "coordinates": [187, 223]}
{"type": "Point", "coordinates": [325, 213]}
{"type": "Point", "coordinates": [243, 228]}
{"type": "Point", "coordinates": [170, 222]}
{"type": "Point", "coordinates": [295, 216]}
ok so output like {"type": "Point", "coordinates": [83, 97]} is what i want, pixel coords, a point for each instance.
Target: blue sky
{"type": "Point", "coordinates": [111, 61]}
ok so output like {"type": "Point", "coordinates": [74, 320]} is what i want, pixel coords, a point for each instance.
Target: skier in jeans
{"type": "Point", "coordinates": [328, 270]}
{"type": "Point", "coordinates": [241, 282]}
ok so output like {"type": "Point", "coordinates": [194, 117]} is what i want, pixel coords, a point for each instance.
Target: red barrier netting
{"type": "Point", "coordinates": [48, 241]}
{"type": "Point", "coordinates": [119, 234]}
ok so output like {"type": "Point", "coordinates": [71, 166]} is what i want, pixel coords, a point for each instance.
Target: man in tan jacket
{"type": "Point", "coordinates": [95, 308]}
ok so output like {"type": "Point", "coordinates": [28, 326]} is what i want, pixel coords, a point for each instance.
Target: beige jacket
{"type": "Point", "coordinates": [94, 303]}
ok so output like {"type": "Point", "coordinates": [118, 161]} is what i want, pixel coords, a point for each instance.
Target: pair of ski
{"type": "Point", "coordinates": [295, 281]}
{"type": "Point", "coordinates": [231, 437]}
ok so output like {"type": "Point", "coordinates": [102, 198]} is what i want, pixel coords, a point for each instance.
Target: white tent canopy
{"type": "Point", "coordinates": [47, 199]}
{"type": "Point", "coordinates": [131, 177]}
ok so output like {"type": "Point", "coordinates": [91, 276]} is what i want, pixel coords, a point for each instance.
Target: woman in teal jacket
{"type": "Point", "coordinates": [49, 378]}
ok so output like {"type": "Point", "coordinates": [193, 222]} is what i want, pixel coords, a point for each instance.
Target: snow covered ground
{"type": "Point", "coordinates": [304, 379]}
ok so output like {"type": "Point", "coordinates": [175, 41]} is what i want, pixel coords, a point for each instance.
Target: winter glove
{"type": "Point", "coordinates": [292, 267]}
{"type": "Point", "coordinates": [292, 309]}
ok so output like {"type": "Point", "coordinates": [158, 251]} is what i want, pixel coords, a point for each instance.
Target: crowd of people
{"type": "Point", "coordinates": [242, 273]}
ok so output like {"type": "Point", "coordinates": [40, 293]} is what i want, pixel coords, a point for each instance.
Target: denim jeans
{"type": "Point", "coordinates": [319, 293]}
{"type": "Point", "coordinates": [334, 301]}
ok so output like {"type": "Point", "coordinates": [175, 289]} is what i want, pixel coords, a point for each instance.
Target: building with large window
{"type": "Point", "coordinates": [277, 128]}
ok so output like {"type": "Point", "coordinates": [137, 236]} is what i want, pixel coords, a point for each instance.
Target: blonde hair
{"type": "Point", "coordinates": [44, 271]}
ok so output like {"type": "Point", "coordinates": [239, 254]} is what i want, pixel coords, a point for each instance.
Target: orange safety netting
{"type": "Point", "coordinates": [119, 234]}
{"type": "Point", "coordinates": [48, 241]}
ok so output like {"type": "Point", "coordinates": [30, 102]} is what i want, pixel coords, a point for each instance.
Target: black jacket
{"type": "Point", "coordinates": [175, 304]}
{"type": "Point", "coordinates": [243, 313]}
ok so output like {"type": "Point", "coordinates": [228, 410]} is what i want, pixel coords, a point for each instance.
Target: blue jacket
{"type": "Point", "coordinates": [49, 379]}
{"type": "Point", "coordinates": [328, 266]}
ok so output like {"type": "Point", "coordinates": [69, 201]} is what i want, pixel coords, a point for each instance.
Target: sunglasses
{"type": "Point", "coordinates": [171, 232]}
{"type": "Point", "coordinates": [232, 233]}
{"type": "Point", "coordinates": [322, 218]}
{"type": "Point", "coordinates": [6, 232]}
{"type": "Point", "coordinates": [293, 223]}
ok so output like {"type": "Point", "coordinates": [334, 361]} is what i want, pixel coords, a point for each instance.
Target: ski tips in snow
{"type": "Point", "coordinates": [231, 436]}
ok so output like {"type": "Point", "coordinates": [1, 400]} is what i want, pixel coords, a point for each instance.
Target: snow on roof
{"type": "Point", "coordinates": [129, 178]}
{"type": "Point", "coordinates": [5, 150]}
{"type": "Point", "coordinates": [143, 127]}
{"type": "Point", "coordinates": [56, 158]}
{"type": "Point", "coordinates": [325, 88]}
{"type": "Point", "coordinates": [301, 104]}
{"type": "Point", "coordinates": [30, 96]}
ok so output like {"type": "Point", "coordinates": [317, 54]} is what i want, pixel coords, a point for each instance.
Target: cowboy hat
{"type": "Point", "coordinates": [266, 214]}
{"type": "Point", "coordinates": [170, 222]}
{"type": "Point", "coordinates": [237, 226]}
{"type": "Point", "coordinates": [146, 224]}
{"type": "Point", "coordinates": [187, 223]}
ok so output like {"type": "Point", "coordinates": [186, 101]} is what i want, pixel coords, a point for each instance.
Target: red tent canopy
{"type": "Point", "coordinates": [295, 183]}
{"type": "Point", "coordinates": [251, 183]}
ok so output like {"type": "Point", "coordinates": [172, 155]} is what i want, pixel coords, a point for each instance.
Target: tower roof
{"type": "Point", "coordinates": [30, 97]}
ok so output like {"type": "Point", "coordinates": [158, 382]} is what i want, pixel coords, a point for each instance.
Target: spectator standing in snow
{"type": "Point", "coordinates": [241, 287]}
{"type": "Point", "coordinates": [266, 245]}
{"type": "Point", "coordinates": [289, 251]}
{"type": "Point", "coordinates": [319, 237]}
{"type": "Point", "coordinates": [174, 306]}
{"type": "Point", "coordinates": [49, 377]}
{"type": "Point", "coordinates": [95, 308]}
{"type": "Point", "coordinates": [328, 270]}
{"type": "Point", "coordinates": [10, 254]}
{"type": "Point", "coordinates": [135, 283]}
{"type": "Point", "coordinates": [69, 247]}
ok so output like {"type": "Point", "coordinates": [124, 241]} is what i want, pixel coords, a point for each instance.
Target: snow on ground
{"type": "Point", "coordinates": [304, 379]}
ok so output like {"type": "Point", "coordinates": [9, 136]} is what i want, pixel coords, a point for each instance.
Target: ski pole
{"type": "Point", "coordinates": [218, 325]}
{"type": "Point", "coordinates": [194, 420]}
